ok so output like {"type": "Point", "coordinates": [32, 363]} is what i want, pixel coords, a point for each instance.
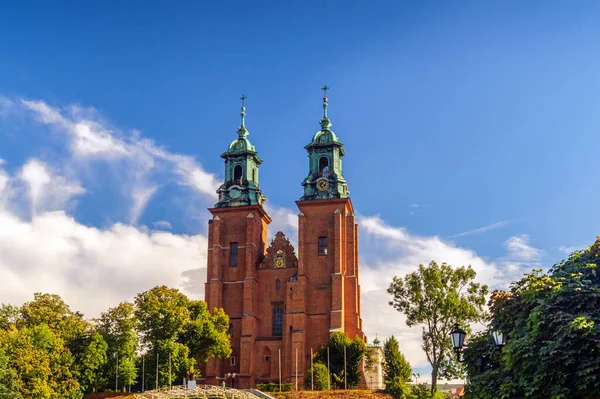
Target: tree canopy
{"type": "Point", "coordinates": [48, 351]}
{"type": "Point", "coordinates": [553, 325]}
{"type": "Point", "coordinates": [436, 297]}
{"type": "Point", "coordinates": [356, 350]}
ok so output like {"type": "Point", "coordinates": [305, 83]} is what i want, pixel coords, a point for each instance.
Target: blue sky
{"type": "Point", "coordinates": [469, 129]}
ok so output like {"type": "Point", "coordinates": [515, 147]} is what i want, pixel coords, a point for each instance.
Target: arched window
{"type": "Point", "coordinates": [277, 283]}
{"type": "Point", "coordinates": [237, 173]}
{"type": "Point", "coordinates": [277, 320]}
{"type": "Point", "coordinates": [324, 166]}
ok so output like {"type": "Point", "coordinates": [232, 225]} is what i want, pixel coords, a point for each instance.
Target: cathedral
{"type": "Point", "coordinates": [282, 303]}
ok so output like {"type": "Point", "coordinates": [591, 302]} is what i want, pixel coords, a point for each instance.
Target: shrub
{"type": "Point", "coordinates": [397, 388]}
{"type": "Point", "coordinates": [274, 387]}
{"type": "Point", "coordinates": [320, 374]}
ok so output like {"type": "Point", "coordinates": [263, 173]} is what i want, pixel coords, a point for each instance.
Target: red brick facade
{"type": "Point", "coordinates": [315, 293]}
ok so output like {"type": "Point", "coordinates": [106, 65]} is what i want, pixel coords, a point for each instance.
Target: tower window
{"type": "Point", "coordinates": [232, 361]}
{"type": "Point", "coordinates": [322, 245]}
{"type": "Point", "coordinates": [231, 330]}
{"type": "Point", "coordinates": [237, 173]}
{"type": "Point", "coordinates": [254, 175]}
{"type": "Point", "coordinates": [277, 283]}
{"type": "Point", "coordinates": [324, 166]}
{"type": "Point", "coordinates": [233, 254]}
{"type": "Point", "coordinates": [277, 320]}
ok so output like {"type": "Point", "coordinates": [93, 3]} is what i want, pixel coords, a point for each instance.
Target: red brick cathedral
{"type": "Point", "coordinates": [279, 301]}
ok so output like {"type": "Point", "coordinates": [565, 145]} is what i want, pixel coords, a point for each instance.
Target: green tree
{"type": "Point", "coordinates": [206, 335]}
{"type": "Point", "coordinates": [8, 379]}
{"type": "Point", "coordinates": [437, 296]}
{"type": "Point", "coordinates": [90, 360]}
{"type": "Point", "coordinates": [173, 326]}
{"type": "Point", "coordinates": [356, 351]}
{"type": "Point", "coordinates": [321, 376]}
{"type": "Point", "coordinates": [553, 326]}
{"type": "Point", "coordinates": [396, 369]}
{"type": "Point", "coordinates": [119, 328]}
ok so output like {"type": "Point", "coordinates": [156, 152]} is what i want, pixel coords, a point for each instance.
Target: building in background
{"type": "Point", "coordinates": [282, 303]}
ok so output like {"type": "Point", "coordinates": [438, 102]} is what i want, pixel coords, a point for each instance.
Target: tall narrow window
{"type": "Point", "coordinates": [277, 320]}
{"type": "Point", "coordinates": [237, 173]}
{"type": "Point", "coordinates": [231, 330]}
{"type": "Point", "coordinates": [324, 166]}
{"type": "Point", "coordinates": [277, 283]}
{"type": "Point", "coordinates": [233, 254]}
{"type": "Point", "coordinates": [254, 175]}
{"type": "Point", "coordinates": [322, 245]}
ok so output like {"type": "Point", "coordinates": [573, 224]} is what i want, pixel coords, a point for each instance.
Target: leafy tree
{"type": "Point", "coordinates": [553, 326]}
{"type": "Point", "coordinates": [356, 350]}
{"type": "Point", "coordinates": [172, 325]}
{"type": "Point", "coordinates": [321, 376]}
{"type": "Point", "coordinates": [8, 379]}
{"type": "Point", "coordinates": [118, 327]}
{"type": "Point", "coordinates": [485, 368]}
{"type": "Point", "coordinates": [437, 296]}
{"type": "Point", "coordinates": [90, 360]}
{"type": "Point", "coordinates": [206, 335]}
{"type": "Point", "coordinates": [395, 366]}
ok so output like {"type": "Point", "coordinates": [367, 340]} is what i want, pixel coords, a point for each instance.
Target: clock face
{"type": "Point", "coordinates": [235, 193]}
{"type": "Point", "coordinates": [279, 263]}
{"type": "Point", "coordinates": [322, 185]}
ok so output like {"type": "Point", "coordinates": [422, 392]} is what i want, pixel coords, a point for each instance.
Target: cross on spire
{"type": "Point", "coordinates": [325, 88]}
{"type": "Point", "coordinates": [243, 98]}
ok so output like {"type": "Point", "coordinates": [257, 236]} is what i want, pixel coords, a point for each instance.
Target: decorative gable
{"type": "Point", "coordinates": [280, 254]}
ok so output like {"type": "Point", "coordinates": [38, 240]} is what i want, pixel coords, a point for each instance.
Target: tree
{"type": "Point", "coordinates": [8, 379]}
{"type": "Point", "coordinates": [553, 326]}
{"type": "Point", "coordinates": [356, 350]}
{"type": "Point", "coordinates": [172, 325]}
{"type": "Point", "coordinates": [437, 297]}
{"type": "Point", "coordinates": [396, 369]}
{"type": "Point", "coordinates": [119, 328]}
{"type": "Point", "coordinates": [90, 360]}
{"type": "Point", "coordinates": [321, 376]}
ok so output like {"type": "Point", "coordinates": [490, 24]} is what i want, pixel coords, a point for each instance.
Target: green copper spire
{"type": "Point", "coordinates": [325, 152]}
{"type": "Point", "coordinates": [241, 170]}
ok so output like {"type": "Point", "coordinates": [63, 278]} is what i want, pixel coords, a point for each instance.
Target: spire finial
{"type": "Point", "coordinates": [325, 88]}
{"type": "Point", "coordinates": [243, 98]}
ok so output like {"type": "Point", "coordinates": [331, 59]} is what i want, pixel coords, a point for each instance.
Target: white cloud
{"type": "Point", "coordinates": [519, 248]}
{"type": "Point", "coordinates": [139, 163]}
{"type": "Point", "coordinates": [162, 225]}
{"type": "Point", "coordinates": [568, 250]}
{"type": "Point", "coordinates": [388, 251]}
{"type": "Point", "coordinates": [141, 196]}
{"type": "Point", "coordinates": [46, 190]}
{"type": "Point", "coordinates": [481, 230]}
{"type": "Point", "coordinates": [92, 269]}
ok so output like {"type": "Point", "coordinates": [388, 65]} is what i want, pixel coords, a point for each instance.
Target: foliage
{"type": "Point", "coordinates": [274, 387]}
{"type": "Point", "coordinates": [321, 377]}
{"type": "Point", "coordinates": [173, 326]}
{"type": "Point", "coordinates": [397, 387]}
{"type": "Point", "coordinates": [90, 360]}
{"type": "Point", "coordinates": [422, 391]}
{"type": "Point", "coordinates": [48, 351]}
{"type": "Point", "coordinates": [8, 379]}
{"type": "Point", "coordinates": [437, 296]}
{"type": "Point", "coordinates": [553, 326]}
{"type": "Point", "coordinates": [485, 368]}
{"type": "Point", "coordinates": [396, 369]}
{"type": "Point", "coordinates": [356, 350]}
{"type": "Point", "coordinates": [118, 327]}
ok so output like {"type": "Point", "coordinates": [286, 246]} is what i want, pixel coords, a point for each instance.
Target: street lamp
{"type": "Point", "coordinates": [499, 338]}
{"type": "Point", "coordinates": [458, 339]}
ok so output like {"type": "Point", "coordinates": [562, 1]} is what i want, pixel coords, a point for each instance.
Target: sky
{"type": "Point", "coordinates": [469, 129]}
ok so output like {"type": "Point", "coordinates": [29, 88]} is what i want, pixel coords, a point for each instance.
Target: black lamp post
{"type": "Point", "coordinates": [458, 340]}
